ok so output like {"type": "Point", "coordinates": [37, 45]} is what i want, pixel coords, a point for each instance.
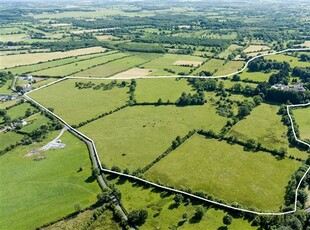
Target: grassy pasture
{"type": "Point", "coordinates": [50, 64]}
{"type": "Point", "coordinates": [212, 66]}
{"type": "Point", "coordinates": [26, 59]}
{"type": "Point", "coordinates": [255, 48]}
{"type": "Point", "coordinates": [6, 88]}
{"type": "Point", "coordinates": [265, 126]}
{"type": "Point", "coordinates": [12, 37]}
{"type": "Point", "coordinates": [19, 110]}
{"type": "Point", "coordinates": [45, 81]}
{"type": "Point", "coordinates": [75, 105]}
{"type": "Point", "coordinates": [302, 118]}
{"type": "Point", "coordinates": [135, 136]}
{"type": "Point", "coordinates": [38, 192]}
{"type": "Point", "coordinates": [229, 50]}
{"type": "Point", "coordinates": [5, 104]}
{"type": "Point", "coordinates": [164, 215]}
{"type": "Point", "coordinates": [293, 61]}
{"type": "Point", "coordinates": [9, 138]}
{"type": "Point", "coordinates": [226, 171]}
{"type": "Point", "coordinates": [167, 61]}
{"type": "Point", "coordinates": [69, 69]}
{"type": "Point", "coordinates": [8, 30]}
{"type": "Point", "coordinates": [114, 67]}
{"type": "Point", "coordinates": [34, 122]}
{"type": "Point", "coordinates": [256, 76]}
{"type": "Point", "coordinates": [230, 67]}
{"type": "Point", "coordinates": [150, 90]}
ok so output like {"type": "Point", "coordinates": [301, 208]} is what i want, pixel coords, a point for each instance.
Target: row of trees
{"type": "Point", "coordinates": [188, 99]}
{"type": "Point", "coordinates": [108, 86]}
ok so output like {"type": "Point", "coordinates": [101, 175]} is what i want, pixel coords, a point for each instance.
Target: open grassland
{"type": "Point", "coordinates": [9, 30]}
{"type": "Point", "coordinates": [256, 76]}
{"type": "Point", "coordinates": [26, 59]}
{"type": "Point", "coordinates": [72, 68]}
{"type": "Point", "coordinates": [113, 67]}
{"type": "Point", "coordinates": [228, 83]}
{"type": "Point", "coordinates": [44, 81]}
{"type": "Point", "coordinates": [13, 37]}
{"type": "Point", "coordinates": [230, 67]}
{"type": "Point", "coordinates": [75, 105]}
{"type": "Point", "coordinates": [168, 61]}
{"type": "Point", "coordinates": [38, 192]}
{"type": "Point", "coordinates": [212, 66]}
{"type": "Point", "coordinates": [6, 88]}
{"type": "Point", "coordinates": [164, 214]}
{"type": "Point", "coordinates": [51, 64]}
{"type": "Point", "coordinates": [135, 136]}
{"type": "Point", "coordinates": [265, 126]}
{"type": "Point", "coordinates": [9, 138]}
{"type": "Point", "coordinates": [302, 118]}
{"type": "Point", "coordinates": [34, 122]}
{"type": "Point", "coordinates": [252, 179]}
{"type": "Point", "coordinates": [150, 90]}
{"type": "Point", "coordinates": [293, 61]}
{"type": "Point", "coordinates": [229, 50]}
{"type": "Point", "coordinates": [19, 110]}
{"type": "Point", "coordinates": [5, 104]}
{"type": "Point", "coordinates": [255, 48]}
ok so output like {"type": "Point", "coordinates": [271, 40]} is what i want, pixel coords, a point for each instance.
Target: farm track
{"type": "Point", "coordinates": [96, 160]}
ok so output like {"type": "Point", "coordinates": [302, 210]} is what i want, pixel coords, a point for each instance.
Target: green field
{"type": "Point", "coordinates": [265, 126]}
{"type": "Point", "coordinates": [34, 122]}
{"type": "Point", "coordinates": [5, 104]}
{"type": "Point", "coordinates": [230, 67]}
{"type": "Point", "coordinates": [252, 179]}
{"type": "Point", "coordinates": [150, 90]}
{"type": "Point", "coordinates": [293, 61]}
{"type": "Point", "coordinates": [135, 136]}
{"type": "Point", "coordinates": [72, 68]}
{"type": "Point", "coordinates": [229, 50]}
{"type": "Point", "coordinates": [12, 37]}
{"type": "Point", "coordinates": [19, 110]}
{"type": "Point", "coordinates": [37, 192]}
{"type": "Point", "coordinates": [256, 76]}
{"type": "Point", "coordinates": [212, 66]}
{"type": "Point", "coordinates": [163, 214]}
{"type": "Point", "coordinates": [302, 119]}
{"type": "Point", "coordinates": [75, 105]}
{"type": "Point", "coordinates": [172, 62]}
{"type": "Point", "coordinates": [9, 138]}
{"type": "Point", "coordinates": [113, 67]}
{"type": "Point", "coordinates": [6, 88]}
{"type": "Point", "coordinates": [42, 82]}
{"type": "Point", "coordinates": [51, 64]}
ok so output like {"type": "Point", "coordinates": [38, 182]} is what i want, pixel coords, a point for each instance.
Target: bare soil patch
{"type": "Point", "coordinates": [131, 73]}
{"type": "Point", "coordinates": [256, 48]}
{"type": "Point", "coordinates": [187, 63]}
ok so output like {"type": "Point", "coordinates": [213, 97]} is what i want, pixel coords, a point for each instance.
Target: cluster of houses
{"type": "Point", "coordinates": [299, 87]}
{"type": "Point", "coordinates": [27, 87]}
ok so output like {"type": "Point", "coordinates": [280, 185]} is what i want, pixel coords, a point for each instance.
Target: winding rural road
{"type": "Point", "coordinates": [96, 160]}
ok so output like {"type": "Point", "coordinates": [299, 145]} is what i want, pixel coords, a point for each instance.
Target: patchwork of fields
{"type": "Point", "coordinates": [132, 139]}
{"type": "Point", "coordinates": [173, 143]}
